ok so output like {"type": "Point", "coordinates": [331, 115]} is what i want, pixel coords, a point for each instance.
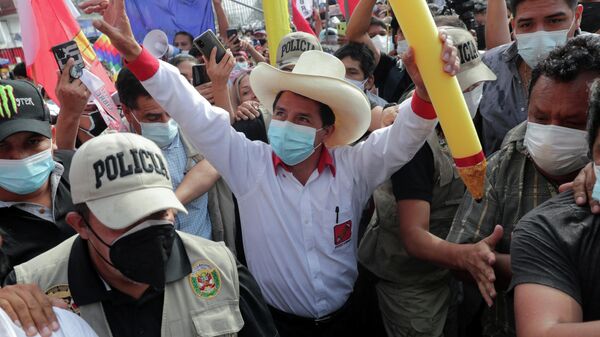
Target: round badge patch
{"type": "Point", "coordinates": [63, 292]}
{"type": "Point", "coordinates": [205, 280]}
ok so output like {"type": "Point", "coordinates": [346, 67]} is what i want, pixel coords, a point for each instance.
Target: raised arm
{"type": "Point", "coordinates": [387, 150]}
{"type": "Point", "coordinates": [222, 21]}
{"type": "Point", "coordinates": [358, 26]}
{"type": "Point", "coordinates": [73, 97]}
{"type": "Point", "coordinates": [239, 161]}
{"type": "Point", "coordinates": [496, 26]}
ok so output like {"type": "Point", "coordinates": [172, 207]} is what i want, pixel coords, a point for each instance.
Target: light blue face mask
{"type": "Point", "coordinates": [24, 176]}
{"type": "Point", "coordinates": [291, 142]}
{"type": "Point", "coordinates": [534, 47]}
{"type": "Point", "coordinates": [162, 134]}
{"type": "Point", "coordinates": [596, 191]}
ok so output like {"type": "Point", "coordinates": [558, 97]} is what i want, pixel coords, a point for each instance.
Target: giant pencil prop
{"type": "Point", "coordinates": [419, 29]}
{"type": "Point", "coordinates": [277, 20]}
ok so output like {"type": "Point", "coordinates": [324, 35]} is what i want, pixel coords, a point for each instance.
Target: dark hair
{"type": "Point", "coordinates": [83, 210]}
{"type": "Point", "coordinates": [377, 22]}
{"type": "Point", "coordinates": [580, 55]}
{"type": "Point", "coordinates": [190, 36]}
{"type": "Point", "coordinates": [361, 53]}
{"type": "Point", "coordinates": [515, 3]}
{"type": "Point", "coordinates": [175, 61]}
{"type": "Point", "coordinates": [593, 116]}
{"type": "Point", "coordinates": [129, 88]}
{"type": "Point", "coordinates": [20, 70]}
{"type": "Point", "coordinates": [327, 115]}
{"type": "Point", "coordinates": [449, 20]}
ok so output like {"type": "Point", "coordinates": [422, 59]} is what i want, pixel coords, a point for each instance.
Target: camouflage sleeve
{"type": "Point", "coordinates": [476, 220]}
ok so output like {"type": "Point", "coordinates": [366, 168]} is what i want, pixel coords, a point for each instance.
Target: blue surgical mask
{"type": "Point", "coordinates": [291, 142]}
{"type": "Point", "coordinates": [162, 134]}
{"type": "Point", "coordinates": [241, 66]}
{"type": "Point", "coordinates": [534, 47]}
{"type": "Point", "coordinates": [359, 84]}
{"type": "Point", "coordinates": [24, 176]}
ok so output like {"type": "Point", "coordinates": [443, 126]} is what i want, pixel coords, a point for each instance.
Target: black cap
{"type": "Point", "coordinates": [22, 109]}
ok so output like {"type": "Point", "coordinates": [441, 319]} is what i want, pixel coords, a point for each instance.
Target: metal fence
{"type": "Point", "coordinates": [245, 14]}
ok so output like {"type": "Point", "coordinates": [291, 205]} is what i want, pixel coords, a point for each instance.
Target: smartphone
{"type": "Point", "coordinates": [206, 42]}
{"type": "Point", "coordinates": [231, 32]}
{"type": "Point", "coordinates": [63, 52]}
{"type": "Point", "coordinates": [199, 75]}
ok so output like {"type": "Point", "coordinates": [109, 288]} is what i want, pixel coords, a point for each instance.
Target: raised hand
{"type": "Point", "coordinates": [115, 25]}
{"type": "Point", "coordinates": [72, 94]}
{"type": "Point", "coordinates": [219, 72]}
{"type": "Point", "coordinates": [449, 56]}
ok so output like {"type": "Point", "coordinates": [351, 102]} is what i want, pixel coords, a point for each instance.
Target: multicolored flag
{"type": "Point", "coordinates": [108, 55]}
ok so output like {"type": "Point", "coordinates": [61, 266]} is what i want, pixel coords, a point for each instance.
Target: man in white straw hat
{"type": "Point", "coordinates": [300, 198]}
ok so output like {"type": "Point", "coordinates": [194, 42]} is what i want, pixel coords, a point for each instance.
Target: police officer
{"type": "Point", "coordinates": [128, 272]}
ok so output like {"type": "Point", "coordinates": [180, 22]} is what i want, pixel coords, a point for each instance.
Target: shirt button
{"type": "Point", "coordinates": [42, 211]}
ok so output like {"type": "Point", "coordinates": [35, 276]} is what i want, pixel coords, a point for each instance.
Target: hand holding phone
{"type": "Point", "coordinates": [206, 42]}
{"type": "Point", "coordinates": [63, 52]}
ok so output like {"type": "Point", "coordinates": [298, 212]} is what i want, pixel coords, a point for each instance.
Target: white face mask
{"type": "Point", "coordinates": [382, 43]}
{"type": "Point", "coordinates": [359, 84]}
{"type": "Point", "coordinates": [402, 47]}
{"type": "Point", "coordinates": [472, 98]}
{"type": "Point", "coordinates": [534, 47]}
{"type": "Point", "coordinates": [555, 149]}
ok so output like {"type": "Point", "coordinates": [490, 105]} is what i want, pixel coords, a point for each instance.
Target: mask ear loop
{"type": "Point", "coordinates": [99, 238]}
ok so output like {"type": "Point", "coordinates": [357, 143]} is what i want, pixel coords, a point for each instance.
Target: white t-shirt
{"type": "Point", "coordinates": [71, 325]}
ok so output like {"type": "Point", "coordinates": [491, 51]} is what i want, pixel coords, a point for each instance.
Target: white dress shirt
{"type": "Point", "coordinates": [300, 240]}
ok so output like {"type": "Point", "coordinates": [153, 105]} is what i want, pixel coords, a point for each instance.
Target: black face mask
{"type": "Point", "coordinates": [262, 41]}
{"type": "Point", "coordinates": [590, 20]}
{"type": "Point", "coordinates": [142, 253]}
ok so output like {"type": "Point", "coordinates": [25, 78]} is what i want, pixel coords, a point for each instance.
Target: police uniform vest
{"type": "Point", "coordinates": [381, 250]}
{"type": "Point", "coordinates": [204, 303]}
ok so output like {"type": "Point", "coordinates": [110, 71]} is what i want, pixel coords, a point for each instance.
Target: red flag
{"type": "Point", "coordinates": [299, 21]}
{"type": "Point", "coordinates": [351, 3]}
{"type": "Point", "coordinates": [44, 24]}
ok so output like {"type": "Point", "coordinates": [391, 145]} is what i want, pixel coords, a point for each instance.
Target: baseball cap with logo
{"type": "Point", "coordinates": [472, 68]}
{"type": "Point", "coordinates": [22, 109]}
{"type": "Point", "coordinates": [122, 178]}
{"type": "Point", "coordinates": [292, 46]}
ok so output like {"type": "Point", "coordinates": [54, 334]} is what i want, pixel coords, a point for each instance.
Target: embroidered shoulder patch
{"type": "Point", "coordinates": [205, 280]}
{"type": "Point", "coordinates": [63, 292]}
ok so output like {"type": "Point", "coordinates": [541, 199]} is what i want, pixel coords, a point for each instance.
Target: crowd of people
{"type": "Point", "coordinates": [316, 197]}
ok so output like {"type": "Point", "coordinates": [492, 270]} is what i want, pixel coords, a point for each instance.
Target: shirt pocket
{"type": "Point", "coordinates": [222, 319]}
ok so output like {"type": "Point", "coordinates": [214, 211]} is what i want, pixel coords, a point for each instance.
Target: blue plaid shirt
{"type": "Point", "coordinates": [197, 221]}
